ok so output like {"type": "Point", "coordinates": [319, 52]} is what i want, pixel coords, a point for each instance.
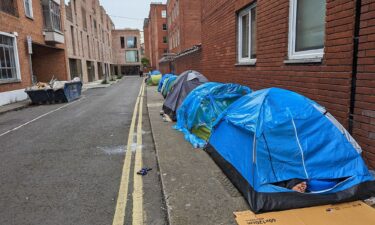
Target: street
{"type": "Point", "coordinates": [64, 163]}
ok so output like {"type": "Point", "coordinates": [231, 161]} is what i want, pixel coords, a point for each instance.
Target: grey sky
{"type": "Point", "coordinates": [127, 13]}
{"type": "Point", "coordinates": [137, 9]}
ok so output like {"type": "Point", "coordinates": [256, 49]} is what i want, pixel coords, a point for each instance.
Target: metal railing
{"type": "Point", "coordinates": [51, 13]}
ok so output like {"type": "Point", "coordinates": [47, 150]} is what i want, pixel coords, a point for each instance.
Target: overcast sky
{"type": "Point", "coordinates": [128, 13]}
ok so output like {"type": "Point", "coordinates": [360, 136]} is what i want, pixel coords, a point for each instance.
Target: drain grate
{"type": "Point", "coordinates": [227, 184]}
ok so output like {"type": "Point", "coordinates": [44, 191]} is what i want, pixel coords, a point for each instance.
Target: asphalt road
{"type": "Point", "coordinates": [62, 164]}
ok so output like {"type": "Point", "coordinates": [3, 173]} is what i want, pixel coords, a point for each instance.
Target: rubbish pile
{"type": "Point", "coordinates": [280, 149]}
{"type": "Point", "coordinates": [55, 91]}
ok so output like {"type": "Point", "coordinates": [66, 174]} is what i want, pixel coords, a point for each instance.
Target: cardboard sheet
{"type": "Point", "coordinates": [353, 213]}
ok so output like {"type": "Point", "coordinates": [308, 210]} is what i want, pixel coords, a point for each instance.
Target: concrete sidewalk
{"type": "Point", "coordinates": [196, 191]}
{"type": "Point", "coordinates": [26, 103]}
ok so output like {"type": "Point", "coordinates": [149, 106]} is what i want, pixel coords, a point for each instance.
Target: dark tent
{"type": "Point", "coordinates": [275, 136]}
{"type": "Point", "coordinates": [183, 85]}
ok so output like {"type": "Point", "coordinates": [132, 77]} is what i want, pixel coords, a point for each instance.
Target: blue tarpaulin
{"type": "Point", "coordinates": [274, 135]}
{"type": "Point", "coordinates": [155, 72]}
{"type": "Point", "coordinates": [201, 108]}
{"type": "Point", "coordinates": [167, 85]}
{"type": "Point", "coordinates": [161, 82]}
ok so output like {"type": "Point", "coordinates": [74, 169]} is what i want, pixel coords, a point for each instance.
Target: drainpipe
{"type": "Point", "coordinates": [353, 90]}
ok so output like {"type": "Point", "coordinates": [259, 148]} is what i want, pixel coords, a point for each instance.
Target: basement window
{"type": "Point", "coordinates": [247, 35]}
{"type": "Point", "coordinates": [9, 64]}
{"type": "Point", "coordinates": [306, 29]}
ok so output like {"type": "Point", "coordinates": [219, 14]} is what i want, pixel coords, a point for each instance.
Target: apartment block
{"type": "Point", "coordinates": [155, 26]}
{"type": "Point", "coordinates": [261, 44]}
{"type": "Point", "coordinates": [184, 35]}
{"type": "Point", "coordinates": [126, 51]}
{"type": "Point", "coordinates": [184, 24]}
{"type": "Point", "coordinates": [32, 45]}
{"type": "Point", "coordinates": [88, 32]}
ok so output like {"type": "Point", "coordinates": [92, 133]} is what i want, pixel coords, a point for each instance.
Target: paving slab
{"type": "Point", "coordinates": [195, 189]}
{"type": "Point", "coordinates": [14, 106]}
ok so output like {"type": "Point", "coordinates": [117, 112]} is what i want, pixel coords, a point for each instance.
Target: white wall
{"type": "Point", "coordinates": [12, 96]}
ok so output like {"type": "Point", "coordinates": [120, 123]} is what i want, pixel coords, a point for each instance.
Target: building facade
{"type": "Point", "coordinates": [156, 28]}
{"type": "Point", "coordinates": [32, 45]}
{"type": "Point", "coordinates": [184, 35]}
{"type": "Point", "coordinates": [322, 49]}
{"type": "Point", "coordinates": [88, 32]}
{"type": "Point", "coordinates": [184, 24]}
{"type": "Point", "coordinates": [126, 51]}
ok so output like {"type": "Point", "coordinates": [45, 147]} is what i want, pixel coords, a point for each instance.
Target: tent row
{"type": "Point", "coordinates": [279, 148]}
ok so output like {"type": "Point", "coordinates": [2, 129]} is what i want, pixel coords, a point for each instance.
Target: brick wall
{"type": "Point", "coordinates": [364, 126]}
{"type": "Point", "coordinates": [156, 34]}
{"type": "Point", "coordinates": [189, 62]}
{"type": "Point", "coordinates": [24, 27]}
{"type": "Point", "coordinates": [328, 82]}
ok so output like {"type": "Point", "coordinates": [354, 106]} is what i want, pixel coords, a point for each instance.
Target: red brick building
{"type": "Point", "coordinates": [309, 48]}
{"type": "Point", "coordinates": [184, 24]}
{"type": "Point", "coordinates": [156, 28]}
{"type": "Point", "coordinates": [31, 45]}
{"type": "Point", "coordinates": [184, 35]}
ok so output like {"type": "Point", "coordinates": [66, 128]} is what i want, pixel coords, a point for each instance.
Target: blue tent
{"type": "Point", "coordinates": [155, 72]}
{"type": "Point", "coordinates": [167, 85]}
{"type": "Point", "coordinates": [274, 135]}
{"type": "Point", "coordinates": [161, 82]}
{"type": "Point", "coordinates": [201, 108]}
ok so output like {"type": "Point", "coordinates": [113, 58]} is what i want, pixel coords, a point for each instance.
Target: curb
{"type": "Point", "coordinates": [15, 108]}
{"type": "Point", "coordinates": [165, 199]}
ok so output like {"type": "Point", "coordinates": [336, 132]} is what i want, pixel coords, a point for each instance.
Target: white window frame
{"type": "Point", "coordinates": [31, 16]}
{"type": "Point", "coordinates": [164, 14]}
{"type": "Point", "coordinates": [292, 54]}
{"type": "Point", "coordinates": [240, 59]}
{"type": "Point", "coordinates": [16, 57]}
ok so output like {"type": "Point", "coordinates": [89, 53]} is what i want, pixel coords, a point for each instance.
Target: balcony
{"type": "Point", "coordinates": [52, 21]}
{"type": "Point", "coordinates": [9, 7]}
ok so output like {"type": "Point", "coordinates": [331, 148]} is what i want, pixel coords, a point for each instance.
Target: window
{"type": "Point", "coordinates": [122, 40]}
{"type": "Point", "coordinates": [165, 39]}
{"type": "Point", "coordinates": [131, 42]}
{"type": "Point", "coordinates": [51, 12]}
{"type": "Point", "coordinates": [8, 6]}
{"type": "Point", "coordinates": [247, 35]}
{"type": "Point", "coordinates": [131, 56]}
{"type": "Point", "coordinates": [84, 19]}
{"type": "Point", "coordinates": [28, 8]}
{"type": "Point", "coordinates": [163, 14]}
{"type": "Point", "coordinates": [9, 64]}
{"type": "Point", "coordinates": [306, 28]}
{"type": "Point", "coordinates": [164, 26]}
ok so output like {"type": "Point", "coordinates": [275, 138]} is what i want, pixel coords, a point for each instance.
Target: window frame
{"type": "Point", "coordinates": [241, 13]}
{"type": "Point", "coordinates": [292, 54]}
{"type": "Point", "coordinates": [31, 16]}
{"type": "Point", "coordinates": [16, 59]}
{"type": "Point", "coordinates": [164, 14]}
{"type": "Point", "coordinates": [136, 56]}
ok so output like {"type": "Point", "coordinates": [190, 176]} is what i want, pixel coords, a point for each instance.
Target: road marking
{"type": "Point", "coordinates": [39, 117]}
{"type": "Point", "coordinates": [119, 216]}
{"type": "Point", "coordinates": [138, 183]}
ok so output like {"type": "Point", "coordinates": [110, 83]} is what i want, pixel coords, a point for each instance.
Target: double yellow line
{"type": "Point", "coordinates": [119, 217]}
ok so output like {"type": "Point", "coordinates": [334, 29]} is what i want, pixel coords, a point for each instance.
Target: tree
{"type": "Point", "coordinates": [145, 62]}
